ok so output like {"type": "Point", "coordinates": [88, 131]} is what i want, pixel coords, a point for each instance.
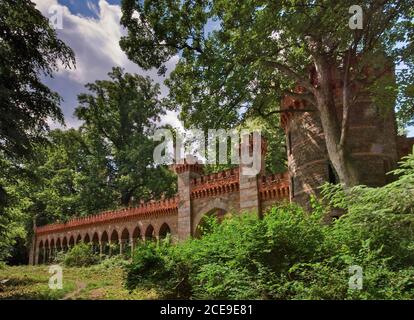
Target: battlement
{"type": "Point", "coordinates": [152, 208]}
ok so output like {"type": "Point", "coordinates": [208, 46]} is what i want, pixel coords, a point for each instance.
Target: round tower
{"type": "Point", "coordinates": [371, 140]}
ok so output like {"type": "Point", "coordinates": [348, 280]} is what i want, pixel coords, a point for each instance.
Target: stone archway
{"type": "Point", "coordinates": [164, 231]}
{"type": "Point", "coordinates": [41, 253]}
{"type": "Point", "coordinates": [217, 208]}
{"type": "Point", "coordinates": [104, 243]}
{"type": "Point", "coordinates": [124, 243]}
{"type": "Point", "coordinates": [114, 247]}
{"type": "Point", "coordinates": [150, 233]}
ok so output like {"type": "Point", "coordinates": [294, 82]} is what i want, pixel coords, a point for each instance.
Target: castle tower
{"type": "Point", "coordinates": [371, 138]}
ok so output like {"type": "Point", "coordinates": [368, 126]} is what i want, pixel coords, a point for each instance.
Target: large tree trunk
{"type": "Point", "coordinates": [339, 155]}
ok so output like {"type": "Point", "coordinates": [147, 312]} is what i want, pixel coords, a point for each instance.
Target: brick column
{"type": "Point", "coordinates": [132, 245]}
{"type": "Point", "coordinates": [100, 249]}
{"type": "Point", "coordinates": [185, 173]}
{"type": "Point", "coordinates": [248, 182]}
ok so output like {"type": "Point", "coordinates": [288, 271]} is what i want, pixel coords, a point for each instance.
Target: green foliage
{"type": "Point", "coordinates": [29, 51]}
{"type": "Point", "coordinates": [114, 262]}
{"type": "Point", "coordinates": [81, 255]}
{"type": "Point", "coordinates": [29, 47]}
{"type": "Point", "coordinates": [239, 59]}
{"type": "Point", "coordinates": [119, 116]}
{"type": "Point", "coordinates": [292, 254]}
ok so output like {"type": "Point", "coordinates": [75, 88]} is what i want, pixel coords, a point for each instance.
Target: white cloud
{"type": "Point", "coordinates": [96, 45]}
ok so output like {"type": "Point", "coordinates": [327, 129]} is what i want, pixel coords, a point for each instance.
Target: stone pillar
{"type": "Point", "coordinates": [250, 173]}
{"type": "Point", "coordinates": [110, 247]}
{"type": "Point", "coordinates": [100, 249]}
{"type": "Point", "coordinates": [121, 246]}
{"type": "Point", "coordinates": [132, 246]}
{"type": "Point", "coordinates": [185, 173]}
{"type": "Point", "coordinates": [44, 255]}
{"type": "Point", "coordinates": [36, 257]}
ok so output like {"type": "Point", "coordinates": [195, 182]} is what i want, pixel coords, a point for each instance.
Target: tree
{"type": "Point", "coordinates": [29, 47]}
{"type": "Point", "coordinates": [239, 59]}
{"type": "Point", "coordinates": [120, 116]}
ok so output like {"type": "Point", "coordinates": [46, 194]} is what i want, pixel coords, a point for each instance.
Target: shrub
{"type": "Point", "coordinates": [80, 255]}
{"type": "Point", "coordinates": [113, 262]}
{"type": "Point", "coordinates": [292, 254]}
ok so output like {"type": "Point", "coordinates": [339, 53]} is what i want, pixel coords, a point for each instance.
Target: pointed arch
{"type": "Point", "coordinates": [136, 234]}
{"type": "Point", "coordinates": [87, 239]}
{"type": "Point", "coordinates": [78, 239]}
{"type": "Point", "coordinates": [71, 241]}
{"type": "Point", "coordinates": [58, 244]}
{"type": "Point", "coordinates": [104, 236]}
{"type": "Point", "coordinates": [164, 231]}
{"type": "Point", "coordinates": [64, 243]}
{"type": "Point", "coordinates": [95, 238]}
{"type": "Point", "coordinates": [114, 236]}
{"type": "Point", "coordinates": [125, 234]}
{"type": "Point", "coordinates": [150, 233]}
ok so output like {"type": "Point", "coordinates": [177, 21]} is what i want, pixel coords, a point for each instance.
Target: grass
{"type": "Point", "coordinates": [95, 283]}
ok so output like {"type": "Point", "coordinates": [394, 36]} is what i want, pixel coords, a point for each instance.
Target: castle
{"type": "Point", "coordinates": [375, 147]}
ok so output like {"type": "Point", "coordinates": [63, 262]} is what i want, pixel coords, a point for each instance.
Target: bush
{"type": "Point", "coordinates": [81, 255]}
{"type": "Point", "coordinates": [113, 262]}
{"type": "Point", "coordinates": [291, 254]}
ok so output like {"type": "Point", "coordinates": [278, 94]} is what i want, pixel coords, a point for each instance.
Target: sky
{"type": "Point", "coordinates": [92, 29]}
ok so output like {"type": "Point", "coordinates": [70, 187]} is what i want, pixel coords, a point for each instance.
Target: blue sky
{"type": "Point", "coordinates": [91, 28]}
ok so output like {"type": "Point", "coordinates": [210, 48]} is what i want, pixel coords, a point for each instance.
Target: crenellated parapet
{"type": "Point", "coordinates": [274, 187]}
{"type": "Point", "coordinates": [215, 184]}
{"type": "Point", "coordinates": [146, 210]}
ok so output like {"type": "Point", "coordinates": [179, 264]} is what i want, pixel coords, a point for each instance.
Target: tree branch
{"type": "Point", "coordinates": [292, 74]}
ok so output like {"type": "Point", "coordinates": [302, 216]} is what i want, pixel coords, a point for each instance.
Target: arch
{"type": "Point", "coordinates": [41, 258]}
{"type": "Point", "coordinates": [95, 238]}
{"type": "Point", "coordinates": [125, 234]}
{"type": "Point", "coordinates": [125, 243]}
{"type": "Point", "coordinates": [94, 243]}
{"type": "Point", "coordinates": [87, 239]}
{"type": "Point", "coordinates": [46, 252]}
{"type": "Point", "coordinates": [136, 234]}
{"type": "Point", "coordinates": [58, 244]}
{"type": "Point", "coordinates": [150, 233]}
{"type": "Point", "coordinates": [114, 236]}
{"type": "Point", "coordinates": [164, 231]}
{"type": "Point", "coordinates": [104, 237]}
{"type": "Point", "coordinates": [64, 243]}
{"type": "Point", "coordinates": [218, 207]}
{"type": "Point", "coordinates": [52, 250]}
{"type": "Point", "coordinates": [78, 239]}
{"type": "Point", "coordinates": [219, 213]}
{"type": "Point", "coordinates": [104, 243]}
{"type": "Point", "coordinates": [71, 241]}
